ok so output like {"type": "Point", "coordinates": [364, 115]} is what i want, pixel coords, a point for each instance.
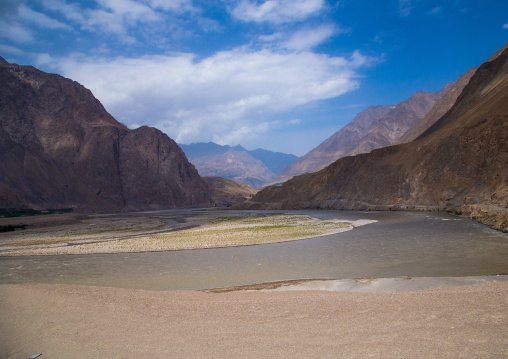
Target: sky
{"type": "Point", "coordinates": [282, 75]}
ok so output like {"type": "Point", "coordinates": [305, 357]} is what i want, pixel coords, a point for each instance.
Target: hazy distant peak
{"type": "Point", "coordinates": [238, 148]}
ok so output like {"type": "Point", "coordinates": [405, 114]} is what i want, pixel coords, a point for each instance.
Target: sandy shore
{"type": "Point", "coordinates": [63, 321]}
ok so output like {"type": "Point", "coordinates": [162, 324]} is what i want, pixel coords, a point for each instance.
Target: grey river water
{"type": "Point", "coordinates": [416, 244]}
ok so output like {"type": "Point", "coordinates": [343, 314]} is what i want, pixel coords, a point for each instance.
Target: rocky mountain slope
{"type": "Point", "coordinates": [445, 103]}
{"type": "Point", "coordinates": [375, 127]}
{"type": "Point", "coordinates": [59, 148]}
{"type": "Point", "coordinates": [250, 167]}
{"type": "Point", "coordinates": [457, 164]}
{"type": "Point", "coordinates": [225, 192]}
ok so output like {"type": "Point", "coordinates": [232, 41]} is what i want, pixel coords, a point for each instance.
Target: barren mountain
{"type": "Point", "coordinates": [335, 146]}
{"type": "Point", "coordinates": [59, 148]}
{"type": "Point", "coordinates": [235, 165]}
{"type": "Point", "coordinates": [445, 103]}
{"type": "Point", "coordinates": [250, 167]}
{"type": "Point", "coordinates": [225, 192]}
{"type": "Point", "coordinates": [458, 164]}
{"type": "Point", "coordinates": [375, 127]}
{"type": "Point", "coordinates": [439, 108]}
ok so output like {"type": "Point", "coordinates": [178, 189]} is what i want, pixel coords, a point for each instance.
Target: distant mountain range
{"type": "Point", "coordinates": [458, 161]}
{"type": "Point", "coordinates": [254, 168]}
{"type": "Point", "coordinates": [375, 127]}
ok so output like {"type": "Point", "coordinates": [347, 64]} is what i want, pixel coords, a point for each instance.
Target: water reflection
{"type": "Point", "coordinates": [399, 244]}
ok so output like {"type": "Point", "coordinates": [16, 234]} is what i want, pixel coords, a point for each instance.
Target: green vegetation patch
{"type": "Point", "coordinates": [243, 231]}
{"type": "Point", "coordinates": [10, 227]}
{"type": "Point", "coordinates": [17, 212]}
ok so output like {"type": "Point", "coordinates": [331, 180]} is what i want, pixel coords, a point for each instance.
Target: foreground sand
{"type": "Point", "coordinates": [63, 321]}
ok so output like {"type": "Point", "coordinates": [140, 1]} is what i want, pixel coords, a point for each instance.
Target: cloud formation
{"type": "Point", "coordinates": [277, 11]}
{"type": "Point", "coordinates": [227, 96]}
{"type": "Point", "coordinates": [127, 20]}
{"type": "Point", "coordinates": [310, 37]}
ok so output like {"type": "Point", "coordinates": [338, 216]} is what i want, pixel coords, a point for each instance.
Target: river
{"type": "Point", "coordinates": [415, 244]}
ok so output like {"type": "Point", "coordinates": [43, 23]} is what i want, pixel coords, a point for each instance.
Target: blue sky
{"type": "Point", "coordinates": [281, 75]}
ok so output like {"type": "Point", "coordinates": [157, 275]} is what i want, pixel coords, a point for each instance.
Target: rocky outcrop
{"type": "Point", "coordinates": [60, 148]}
{"type": "Point", "coordinates": [375, 127]}
{"type": "Point", "coordinates": [457, 164]}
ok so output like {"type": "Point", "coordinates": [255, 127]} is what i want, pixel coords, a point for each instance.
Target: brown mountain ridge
{"type": "Point", "coordinates": [457, 164]}
{"type": "Point", "coordinates": [59, 148]}
{"type": "Point", "coordinates": [375, 127]}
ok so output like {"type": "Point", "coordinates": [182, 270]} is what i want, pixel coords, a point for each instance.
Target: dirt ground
{"type": "Point", "coordinates": [62, 321]}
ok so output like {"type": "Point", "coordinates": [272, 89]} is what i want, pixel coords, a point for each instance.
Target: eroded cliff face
{"type": "Point", "coordinates": [458, 164]}
{"type": "Point", "coordinates": [60, 148]}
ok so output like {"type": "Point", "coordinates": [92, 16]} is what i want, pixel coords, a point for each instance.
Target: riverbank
{"type": "Point", "coordinates": [83, 322]}
{"type": "Point", "coordinates": [160, 231]}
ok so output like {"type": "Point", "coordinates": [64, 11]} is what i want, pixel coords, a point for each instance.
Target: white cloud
{"type": "Point", "coordinates": [172, 5]}
{"type": "Point", "coordinates": [310, 37]}
{"type": "Point", "coordinates": [277, 11]}
{"type": "Point", "coordinates": [17, 21]}
{"type": "Point", "coordinates": [14, 31]}
{"type": "Point", "coordinates": [505, 26]}
{"type": "Point", "coordinates": [7, 49]}
{"type": "Point", "coordinates": [40, 19]}
{"type": "Point", "coordinates": [224, 96]}
{"type": "Point", "coordinates": [71, 11]}
{"type": "Point", "coordinates": [129, 10]}
{"type": "Point", "coordinates": [131, 21]}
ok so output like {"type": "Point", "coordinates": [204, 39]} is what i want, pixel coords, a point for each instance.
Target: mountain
{"type": "Point", "coordinates": [59, 148]}
{"type": "Point", "coordinates": [445, 103]}
{"type": "Point", "coordinates": [439, 108]}
{"type": "Point", "coordinates": [254, 168]}
{"type": "Point", "coordinates": [375, 127]}
{"type": "Point", "coordinates": [275, 161]}
{"type": "Point", "coordinates": [457, 164]}
{"type": "Point", "coordinates": [225, 192]}
{"type": "Point", "coordinates": [335, 146]}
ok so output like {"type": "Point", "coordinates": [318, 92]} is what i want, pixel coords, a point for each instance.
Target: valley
{"type": "Point", "coordinates": [152, 205]}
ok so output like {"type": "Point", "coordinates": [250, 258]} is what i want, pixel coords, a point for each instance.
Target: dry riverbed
{"type": "Point", "coordinates": [156, 231]}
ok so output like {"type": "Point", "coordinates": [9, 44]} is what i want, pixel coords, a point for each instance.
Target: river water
{"type": "Point", "coordinates": [416, 244]}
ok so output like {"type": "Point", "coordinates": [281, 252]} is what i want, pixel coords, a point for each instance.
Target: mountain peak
{"type": "Point", "coordinates": [255, 167]}
{"type": "Point", "coordinates": [238, 148]}
{"type": "Point", "coordinates": [60, 148]}
{"type": "Point", "coordinates": [374, 127]}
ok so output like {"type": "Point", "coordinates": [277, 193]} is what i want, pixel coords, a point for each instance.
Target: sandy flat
{"type": "Point", "coordinates": [63, 321]}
